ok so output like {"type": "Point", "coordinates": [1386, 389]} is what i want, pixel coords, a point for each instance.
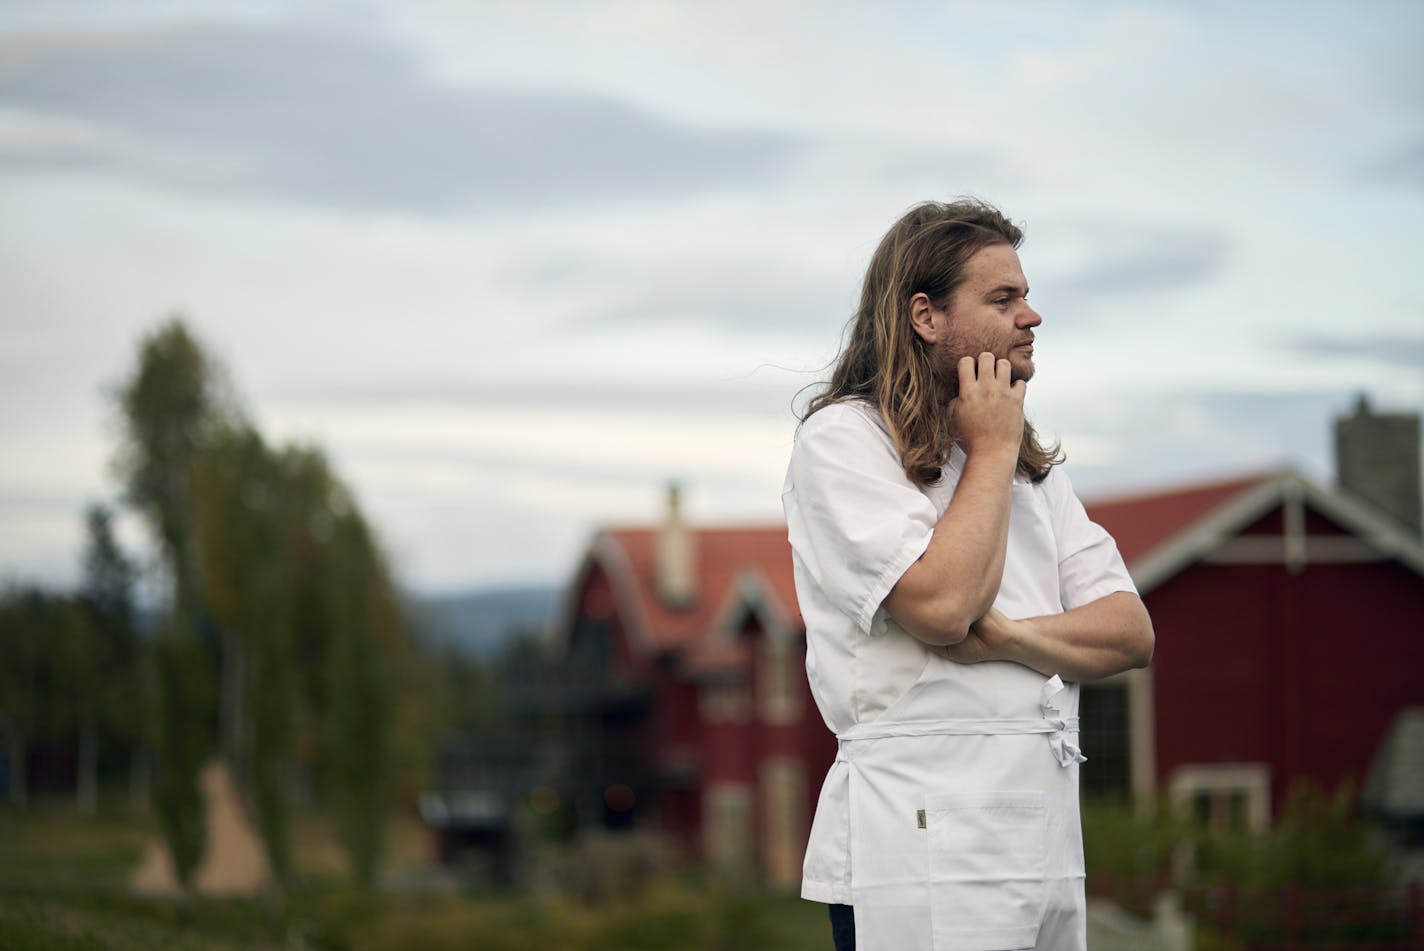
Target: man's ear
{"type": "Point", "coordinates": [925, 318]}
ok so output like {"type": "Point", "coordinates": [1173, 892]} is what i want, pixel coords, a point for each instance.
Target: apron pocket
{"type": "Point", "coordinates": [987, 859]}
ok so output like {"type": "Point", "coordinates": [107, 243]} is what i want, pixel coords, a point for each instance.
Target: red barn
{"type": "Point", "coordinates": [696, 717]}
{"type": "Point", "coordinates": [1290, 633]}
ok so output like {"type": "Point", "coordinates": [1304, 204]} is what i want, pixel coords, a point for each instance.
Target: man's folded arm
{"type": "Point", "coordinates": [1098, 639]}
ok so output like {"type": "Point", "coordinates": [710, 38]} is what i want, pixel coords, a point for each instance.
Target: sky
{"type": "Point", "coordinates": [517, 265]}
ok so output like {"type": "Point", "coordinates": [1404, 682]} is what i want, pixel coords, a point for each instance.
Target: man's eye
{"type": "Point", "coordinates": [1002, 301]}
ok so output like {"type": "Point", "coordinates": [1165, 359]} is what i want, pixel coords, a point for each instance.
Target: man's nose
{"type": "Point", "coordinates": [1029, 317]}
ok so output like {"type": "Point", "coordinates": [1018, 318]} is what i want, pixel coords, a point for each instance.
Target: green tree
{"type": "Point", "coordinates": [169, 409]}
{"type": "Point", "coordinates": [313, 501]}
{"type": "Point", "coordinates": [286, 633]}
{"type": "Point", "coordinates": [243, 508]}
{"type": "Point", "coordinates": [53, 666]}
{"type": "Point", "coordinates": [111, 661]}
{"type": "Point", "coordinates": [271, 686]}
{"type": "Point", "coordinates": [23, 632]}
{"type": "Point", "coordinates": [360, 704]}
{"type": "Point", "coordinates": [75, 657]}
{"type": "Point", "coordinates": [185, 685]}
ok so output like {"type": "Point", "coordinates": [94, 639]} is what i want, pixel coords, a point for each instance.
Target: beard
{"type": "Point", "coordinates": [955, 347]}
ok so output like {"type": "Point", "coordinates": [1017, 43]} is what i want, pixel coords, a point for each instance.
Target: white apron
{"type": "Point", "coordinates": [964, 831]}
{"type": "Point", "coordinates": [989, 861]}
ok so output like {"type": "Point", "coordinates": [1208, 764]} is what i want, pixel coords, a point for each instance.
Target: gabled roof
{"type": "Point", "coordinates": [1140, 523]}
{"type": "Point", "coordinates": [735, 566]}
{"type": "Point", "coordinates": [749, 568]}
{"type": "Point", "coordinates": [1161, 534]}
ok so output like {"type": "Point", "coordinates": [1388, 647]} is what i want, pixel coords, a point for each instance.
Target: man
{"type": "Point", "coordinates": [954, 593]}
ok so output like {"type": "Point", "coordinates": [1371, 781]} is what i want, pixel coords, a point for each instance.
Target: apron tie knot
{"type": "Point", "coordinates": [1061, 740]}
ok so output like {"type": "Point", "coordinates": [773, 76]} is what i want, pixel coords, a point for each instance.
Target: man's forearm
{"type": "Point", "coordinates": [958, 576]}
{"type": "Point", "coordinates": [1099, 639]}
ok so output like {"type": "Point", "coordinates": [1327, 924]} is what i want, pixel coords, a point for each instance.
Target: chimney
{"type": "Point", "coordinates": [1377, 459]}
{"type": "Point", "coordinates": [675, 568]}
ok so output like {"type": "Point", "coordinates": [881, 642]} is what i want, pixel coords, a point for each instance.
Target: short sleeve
{"type": "Point", "coordinates": [1089, 564]}
{"type": "Point", "coordinates": [855, 521]}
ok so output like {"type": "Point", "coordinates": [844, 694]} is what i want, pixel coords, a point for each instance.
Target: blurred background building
{"type": "Point", "coordinates": [1289, 619]}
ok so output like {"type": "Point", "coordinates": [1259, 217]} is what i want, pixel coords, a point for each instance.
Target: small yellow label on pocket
{"type": "Point", "coordinates": [920, 819]}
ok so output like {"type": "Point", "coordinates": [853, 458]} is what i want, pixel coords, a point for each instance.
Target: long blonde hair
{"type": "Point", "coordinates": [886, 363]}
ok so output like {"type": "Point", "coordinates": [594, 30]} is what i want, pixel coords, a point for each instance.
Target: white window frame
{"type": "Point", "coordinates": [1222, 780]}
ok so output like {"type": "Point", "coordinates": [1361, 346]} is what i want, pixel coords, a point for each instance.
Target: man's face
{"type": "Point", "coordinates": [989, 311]}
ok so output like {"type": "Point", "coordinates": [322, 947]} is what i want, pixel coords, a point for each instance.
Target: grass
{"type": "Point", "coordinates": [62, 888]}
{"type": "Point", "coordinates": [670, 917]}
{"type": "Point", "coordinates": [85, 922]}
{"type": "Point", "coordinates": [49, 846]}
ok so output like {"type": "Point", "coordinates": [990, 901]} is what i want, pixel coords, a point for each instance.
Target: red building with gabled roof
{"type": "Point", "coordinates": [1290, 634]}
{"type": "Point", "coordinates": [704, 713]}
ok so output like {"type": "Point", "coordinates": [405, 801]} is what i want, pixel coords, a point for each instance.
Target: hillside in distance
{"type": "Point", "coordinates": [479, 623]}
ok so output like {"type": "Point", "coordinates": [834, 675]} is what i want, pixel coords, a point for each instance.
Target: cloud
{"type": "Point", "coordinates": [1178, 437]}
{"type": "Point", "coordinates": [741, 298]}
{"type": "Point", "coordinates": [732, 398]}
{"type": "Point", "coordinates": [1392, 349]}
{"type": "Point", "coordinates": [341, 121]}
{"type": "Point", "coordinates": [1145, 260]}
{"type": "Point", "coordinates": [1103, 269]}
{"type": "Point", "coordinates": [1404, 166]}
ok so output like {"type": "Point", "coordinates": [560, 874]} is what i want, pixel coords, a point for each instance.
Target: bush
{"type": "Point", "coordinates": [1317, 841]}
{"type": "Point", "coordinates": [1316, 874]}
{"type": "Point", "coordinates": [1128, 850]}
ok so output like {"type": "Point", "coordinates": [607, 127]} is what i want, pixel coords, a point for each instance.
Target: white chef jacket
{"type": "Point", "coordinates": [856, 523]}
